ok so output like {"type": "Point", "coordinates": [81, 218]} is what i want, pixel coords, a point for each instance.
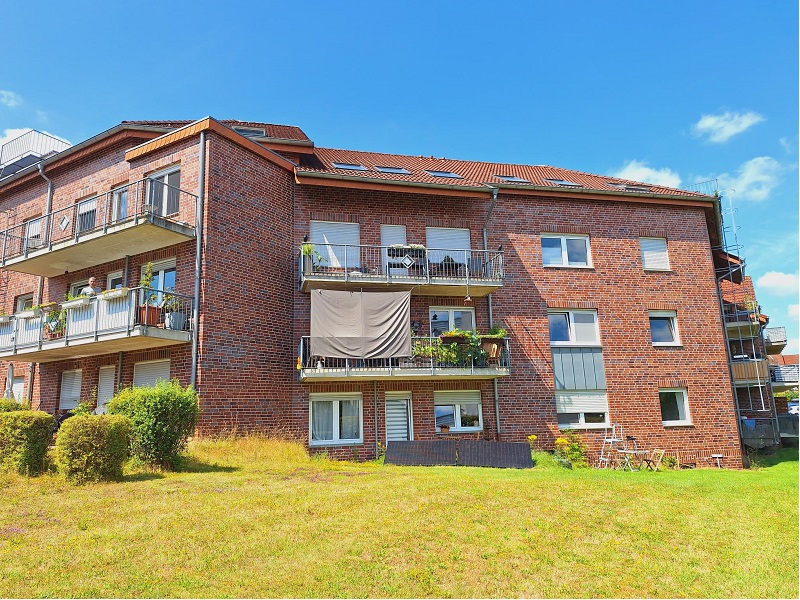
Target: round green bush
{"type": "Point", "coordinates": [163, 418]}
{"type": "Point", "coordinates": [93, 447]}
{"type": "Point", "coordinates": [24, 438]}
{"type": "Point", "coordinates": [9, 405]}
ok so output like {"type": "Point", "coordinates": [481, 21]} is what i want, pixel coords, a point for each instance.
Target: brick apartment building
{"type": "Point", "coordinates": [607, 289]}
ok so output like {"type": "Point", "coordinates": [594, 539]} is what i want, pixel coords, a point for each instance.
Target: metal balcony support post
{"type": "Point", "coordinates": [96, 307]}
{"type": "Point", "coordinates": [105, 212]}
{"type": "Point", "coordinates": [5, 240]}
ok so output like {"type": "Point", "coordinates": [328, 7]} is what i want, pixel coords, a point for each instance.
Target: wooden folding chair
{"type": "Point", "coordinates": [653, 462]}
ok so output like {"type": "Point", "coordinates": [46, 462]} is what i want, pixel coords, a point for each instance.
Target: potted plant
{"type": "Point", "coordinates": [149, 312]}
{"type": "Point", "coordinates": [115, 294]}
{"type": "Point", "coordinates": [444, 428]}
{"type": "Point", "coordinates": [397, 251]}
{"type": "Point", "coordinates": [492, 340]}
{"type": "Point", "coordinates": [71, 301]}
{"type": "Point", "coordinates": [416, 251]}
{"type": "Point", "coordinates": [455, 336]}
{"type": "Point", "coordinates": [311, 257]}
{"type": "Point", "coordinates": [55, 324]}
{"type": "Point", "coordinates": [174, 311]}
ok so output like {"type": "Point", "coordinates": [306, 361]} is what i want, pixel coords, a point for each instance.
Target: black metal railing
{"type": "Point", "coordinates": [429, 356]}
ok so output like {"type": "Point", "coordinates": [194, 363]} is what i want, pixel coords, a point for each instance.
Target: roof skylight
{"type": "Point", "coordinates": [563, 183]}
{"type": "Point", "coordinates": [443, 174]}
{"type": "Point", "coordinates": [396, 170]}
{"type": "Point", "coordinates": [251, 131]}
{"type": "Point", "coordinates": [350, 166]}
{"type": "Point", "coordinates": [628, 187]}
{"type": "Point", "coordinates": [513, 178]}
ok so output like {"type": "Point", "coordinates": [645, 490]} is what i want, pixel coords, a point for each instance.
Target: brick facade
{"type": "Point", "coordinates": [253, 315]}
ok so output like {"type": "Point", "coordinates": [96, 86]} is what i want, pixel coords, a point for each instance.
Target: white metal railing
{"type": "Point", "coordinates": [117, 310]}
{"type": "Point", "coordinates": [33, 143]}
{"type": "Point", "coordinates": [429, 355]}
{"type": "Point", "coordinates": [145, 199]}
{"type": "Point", "coordinates": [399, 263]}
{"type": "Point", "coordinates": [785, 374]}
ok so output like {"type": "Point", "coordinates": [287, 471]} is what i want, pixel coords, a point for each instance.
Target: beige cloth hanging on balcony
{"type": "Point", "coordinates": [360, 324]}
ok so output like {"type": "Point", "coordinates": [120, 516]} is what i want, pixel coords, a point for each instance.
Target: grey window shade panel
{"type": "Point", "coordinates": [579, 369]}
{"type": "Point", "coordinates": [457, 396]}
{"type": "Point", "coordinates": [338, 243]}
{"type": "Point", "coordinates": [397, 419]}
{"type": "Point", "coordinates": [105, 385]}
{"type": "Point", "coordinates": [447, 241]}
{"type": "Point", "coordinates": [70, 389]}
{"type": "Point", "coordinates": [146, 374]}
{"type": "Point", "coordinates": [654, 253]}
{"type": "Point", "coordinates": [360, 324]}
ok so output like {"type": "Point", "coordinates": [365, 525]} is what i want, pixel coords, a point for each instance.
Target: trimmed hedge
{"type": "Point", "coordinates": [163, 418]}
{"type": "Point", "coordinates": [9, 405]}
{"type": "Point", "coordinates": [93, 447]}
{"type": "Point", "coordinates": [24, 438]}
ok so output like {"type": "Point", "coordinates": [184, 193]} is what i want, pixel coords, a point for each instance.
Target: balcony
{"type": "Point", "coordinates": [139, 217]}
{"type": "Point", "coordinates": [742, 323]}
{"type": "Point", "coordinates": [117, 320]}
{"type": "Point", "coordinates": [775, 339]}
{"type": "Point", "coordinates": [424, 271]}
{"type": "Point", "coordinates": [750, 372]}
{"type": "Point", "coordinates": [788, 426]}
{"type": "Point", "coordinates": [431, 359]}
{"type": "Point", "coordinates": [784, 377]}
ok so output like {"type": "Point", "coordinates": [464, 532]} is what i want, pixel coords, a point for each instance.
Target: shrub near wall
{"type": "Point", "coordinates": [24, 438]}
{"type": "Point", "coordinates": [163, 418]}
{"type": "Point", "coordinates": [93, 448]}
{"type": "Point", "coordinates": [9, 405]}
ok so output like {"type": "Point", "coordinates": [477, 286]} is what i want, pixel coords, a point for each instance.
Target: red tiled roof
{"type": "Point", "coordinates": [284, 132]}
{"type": "Point", "coordinates": [473, 173]}
{"type": "Point", "coordinates": [784, 359]}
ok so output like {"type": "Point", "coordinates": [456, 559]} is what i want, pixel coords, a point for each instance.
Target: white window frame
{"type": "Point", "coordinates": [112, 276]}
{"type": "Point", "coordinates": [24, 302]}
{"type": "Point", "coordinates": [72, 402]}
{"type": "Point", "coordinates": [455, 399]}
{"type": "Point", "coordinates": [162, 177]}
{"type": "Point", "coordinates": [76, 287]}
{"type": "Point", "coordinates": [564, 255]}
{"type": "Point", "coordinates": [582, 424]}
{"type": "Point", "coordinates": [662, 255]}
{"type": "Point", "coordinates": [687, 420]}
{"type": "Point", "coordinates": [336, 397]}
{"type": "Point", "coordinates": [673, 320]}
{"type": "Point", "coordinates": [571, 324]}
{"type": "Point", "coordinates": [116, 195]}
{"type": "Point", "coordinates": [449, 310]}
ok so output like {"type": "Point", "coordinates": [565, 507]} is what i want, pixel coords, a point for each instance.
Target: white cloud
{"type": "Point", "coordinates": [754, 179]}
{"type": "Point", "coordinates": [794, 311]}
{"type": "Point", "coordinates": [721, 128]}
{"type": "Point", "coordinates": [786, 145]}
{"type": "Point", "coordinates": [780, 284]}
{"type": "Point", "coordinates": [10, 99]}
{"type": "Point", "coordinates": [639, 171]}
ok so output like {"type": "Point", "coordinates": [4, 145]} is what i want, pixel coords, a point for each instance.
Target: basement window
{"type": "Point", "coordinates": [512, 178]}
{"type": "Point", "coordinates": [443, 174]}
{"type": "Point", "coordinates": [349, 166]}
{"type": "Point", "coordinates": [395, 170]}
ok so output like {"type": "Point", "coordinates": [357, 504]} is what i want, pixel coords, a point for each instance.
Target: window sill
{"type": "Point", "coordinates": [575, 345]}
{"type": "Point", "coordinates": [476, 430]}
{"type": "Point", "coordinates": [677, 423]}
{"type": "Point", "coordinates": [658, 271]}
{"type": "Point", "coordinates": [586, 426]}
{"type": "Point", "coordinates": [665, 345]}
{"type": "Point", "coordinates": [583, 267]}
{"type": "Point", "coordinates": [334, 444]}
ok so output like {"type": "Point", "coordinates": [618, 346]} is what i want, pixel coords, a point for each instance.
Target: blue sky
{"type": "Point", "coordinates": [671, 92]}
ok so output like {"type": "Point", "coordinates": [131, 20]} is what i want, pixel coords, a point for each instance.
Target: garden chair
{"type": "Point", "coordinates": [653, 462]}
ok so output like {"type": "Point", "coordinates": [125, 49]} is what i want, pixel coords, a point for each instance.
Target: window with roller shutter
{"type": "Point", "coordinates": [70, 389]}
{"type": "Point", "coordinates": [654, 254]}
{"type": "Point", "coordinates": [146, 374]}
{"type": "Point", "coordinates": [338, 243]}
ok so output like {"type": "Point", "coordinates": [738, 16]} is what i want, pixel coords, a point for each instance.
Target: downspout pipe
{"type": "Point", "coordinates": [489, 304]}
{"type": "Point", "coordinates": [198, 256]}
{"type": "Point", "coordinates": [40, 286]}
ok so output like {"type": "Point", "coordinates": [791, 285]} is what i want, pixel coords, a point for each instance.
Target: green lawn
{"type": "Point", "coordinates": [260, 518]}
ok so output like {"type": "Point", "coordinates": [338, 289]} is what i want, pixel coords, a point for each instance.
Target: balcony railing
{"type": "Point", "coordinates": [480, 270]}
{"type": "Point", "coordinates": [430, 357]}
{"type": "Point", "coordinates": [750, 371]}
{"type": "Point", "coordinates": [785, 375]}
{"type": "Point", "coordinates": [788, 425]}
{"type": "Point", "coordinates": [102, 317]}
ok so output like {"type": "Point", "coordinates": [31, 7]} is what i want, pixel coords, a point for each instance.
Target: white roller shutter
{"type": "Point", "coordinates": [398, 417]}
{"type": "Point", "coordinates": [145, 374]}
{"type": "Point", "coordinates": [18, 387]}
{"type": "Point", "coordinates": [456, 397]}
{"type": "Point", "coordinates": [70, 389]}
{"type": "Point", "coordinates": [105, 387]}
{"type": "Point", "coordinates": [654, 254]}
{"type": "Point", "coordinates": [572, 402]}
{"type": "Point", "coordinates": [447, 241]}
{"type": "Point", "coordinates": [337, 235]}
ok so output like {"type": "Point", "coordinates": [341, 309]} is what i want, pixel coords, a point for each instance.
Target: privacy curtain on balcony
{"type": "Point", "coordinates": [360, 324]}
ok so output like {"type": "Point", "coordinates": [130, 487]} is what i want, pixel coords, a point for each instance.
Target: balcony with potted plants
{"type": "Point", "coordinates": [455, 354]}
{"type": "Point", "coordinates": [424, 271]}
{"type": "Point", "coordinates": [138, 217]}
{"type": "Point", "coordinates": [116, 320]}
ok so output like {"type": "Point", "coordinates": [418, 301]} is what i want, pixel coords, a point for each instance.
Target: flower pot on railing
{"type": "Point", "coordinates": [115, 294]}
{"type": "Point", "coordinates": [4, 319]}
{"type": "Point", "coordinates": [76, 303]}
{"type": "Point", "coordinates": [30, 313]}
